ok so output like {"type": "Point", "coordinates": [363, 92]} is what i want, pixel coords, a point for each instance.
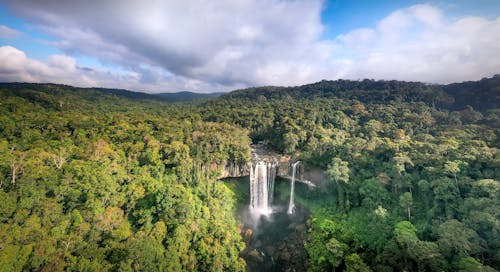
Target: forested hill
{"type": "Point", "coordinates": [40, 92]}
{"type": "Point", "coordinates": [187, 96]}
{"type": "Point", "coordinates": [36, 91]}
{"type": "Point", "coordinates": [481, 95]}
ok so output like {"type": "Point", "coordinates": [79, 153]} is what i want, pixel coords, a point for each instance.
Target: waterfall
{"type": "Point", "coordinates": [262, 175]}
{"type": "Point", "coordinates": [271, 171]}
{"type": "Point", "coordinates": [291, 205]}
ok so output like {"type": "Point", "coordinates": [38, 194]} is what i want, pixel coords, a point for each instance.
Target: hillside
{"type": "Point", "coordinates": [33, 92]}
{"type": "Point", "coordinates": [481, 95]}
{"type": "Point", "coordinates": [187, 96]}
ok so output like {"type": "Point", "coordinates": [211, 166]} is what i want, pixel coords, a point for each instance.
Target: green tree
{"type": "Point", "coordinates": [470, 264]}
{"type": "Point", "coordinates": [354, 263]}
{"type": "Point", "coordinates": [406, 201]}
{"type": "Point", "coordinates": [338, 173]}
{"type": "Point", "coordinates": [411, 251]}
{"type": "Point", "coordinates": [337, 250]}
{"type": "Point", "coordinates": [456, 240]}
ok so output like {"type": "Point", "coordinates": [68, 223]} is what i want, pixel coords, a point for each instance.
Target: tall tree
{"type": "Point", "coordinates": [338, 173]}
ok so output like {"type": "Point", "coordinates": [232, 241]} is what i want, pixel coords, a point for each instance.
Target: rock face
{"type": "Point", "coordinates": [260, 152]}
{"type": "Point", "coordinates": [233, 169]}
{"type": "Point", "coordinates": [284, 170]}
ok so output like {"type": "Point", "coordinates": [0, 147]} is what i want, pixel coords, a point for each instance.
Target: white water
{"type": "Point", "coordinates": [291, 205]}
{"type": "Point", "coordinates": [262, 176]}
{"type": "Point", "coordinates": [271, 172]}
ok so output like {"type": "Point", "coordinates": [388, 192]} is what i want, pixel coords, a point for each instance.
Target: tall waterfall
{"type": "Point", "coordinates": [291, 205]}
{"type": "Point", "coordinates": [262, 176]}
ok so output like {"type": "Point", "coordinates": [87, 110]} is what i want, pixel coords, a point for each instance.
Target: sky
{"type": "Point", "coordinates": [211, 46]}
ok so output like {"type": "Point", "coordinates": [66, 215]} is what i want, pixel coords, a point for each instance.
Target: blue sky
{"type": "Point", "coordinates": [33, 41]}
{"type": "Point", "coordinates": [219, 45]}
{"type": "Point", "coordinates": [341, 16]}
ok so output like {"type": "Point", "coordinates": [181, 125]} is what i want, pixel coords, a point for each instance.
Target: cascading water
{"type": "Point", "coordinates": [271, 172]}
{"type": "Point", "coordinates": [262, 176]}
{"type": "Point", "coordinates": [291, 205]}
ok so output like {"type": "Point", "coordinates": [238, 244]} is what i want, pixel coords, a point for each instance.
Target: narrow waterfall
{"type": "Point", "coordinates": [262, 176]}
{"type": "Point", "coordinates": [291, 205]}
{"type": "Point", "coordinates": [271, 172]}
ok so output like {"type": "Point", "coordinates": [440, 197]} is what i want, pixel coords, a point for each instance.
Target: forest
{"type": "Point", "coordinates": [109, 180]}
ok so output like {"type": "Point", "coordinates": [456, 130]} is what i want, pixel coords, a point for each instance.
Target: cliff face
{"type": "Point", "coordinates": [233, 169]}
{"type": "Point", "coordinates": [284, 168]}
{"type": "Point", "coordinates": [260, 152]}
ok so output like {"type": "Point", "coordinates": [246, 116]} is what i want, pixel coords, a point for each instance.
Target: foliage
{"type": "Point", "coordinates": [391, 151]}
{"type": "Point", "coordinates": [94, 179]}
{"type": "Point", "coordinates": [98, 180]}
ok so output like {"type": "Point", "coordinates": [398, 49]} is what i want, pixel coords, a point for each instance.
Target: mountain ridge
{"type": "Point", "coordinates": [54, 88]}
{"type": "Point", "coordinates": [482, 95]}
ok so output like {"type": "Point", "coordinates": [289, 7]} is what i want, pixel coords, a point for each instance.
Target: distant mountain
{"type": "Point", "coordinates": [26, 89]}
{"type": "Point", "coordinates": [126, 93]}
{"type": "Point", "coordinates": [55, 89]}
{"type": "Point", "coordinates": [169, 97]}
{"type": "Point", "coordinates": [187, 96]}
{"type": "Point", "coordinates": [481, 95]}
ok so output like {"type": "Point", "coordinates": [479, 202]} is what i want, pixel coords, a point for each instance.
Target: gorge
{"type": "Point", "coordinates": [272, 226]}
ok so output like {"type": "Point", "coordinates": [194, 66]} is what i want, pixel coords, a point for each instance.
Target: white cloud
{"type": "Point", "coordinates": [417, 43]}
{"type": "Point", "coordinates": [218, 42]}
{"type": "Point", "coordinates": [7, 32]}
{"type": "Point", "coordinates": [219, 45]}
{"type": "Point", "coordinates": [15, 66]}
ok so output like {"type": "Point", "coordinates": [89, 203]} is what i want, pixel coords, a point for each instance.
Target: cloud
{"type": "Point", "coordinates": [7, 32]}
{"type": "Point", "coordinates": [418, 43]}
{"type": "Point", "coordinates": [15, 66]}
{"type": "Point", "coordinates": [221, 42]}
{"type": "Point", "coordinates": [221, 45]}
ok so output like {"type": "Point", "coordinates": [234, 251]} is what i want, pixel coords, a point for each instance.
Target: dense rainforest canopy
{"type": "Point", "coordinates": [94, 181]}
{"type": "Point", "coordinates": [110, 180]}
